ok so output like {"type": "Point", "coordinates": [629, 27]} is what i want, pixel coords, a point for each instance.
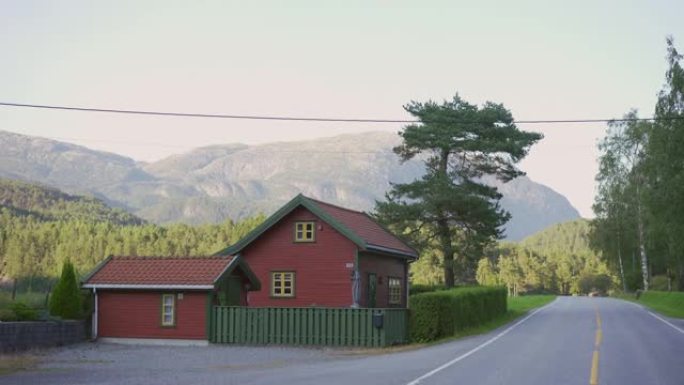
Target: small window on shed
{"type": "Point", "coordinates": [394, 289]}
{"type": "Point", "coordinates": [305, 232]}
{"type": "Point", "coordinates": [168, 310]}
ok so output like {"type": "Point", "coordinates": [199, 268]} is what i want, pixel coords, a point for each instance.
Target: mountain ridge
{"type": "Point", "coordinates": [209, 184]}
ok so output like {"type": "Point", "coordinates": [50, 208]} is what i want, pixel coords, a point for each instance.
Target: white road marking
{"type": "Point", "coordinates": [667, 322]}
{"type": "Point", "coordinates": [477, 348]}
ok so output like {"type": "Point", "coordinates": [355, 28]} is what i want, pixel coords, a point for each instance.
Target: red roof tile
{"type": "Point", "coordinates": [365, 227]}
{"type": "Point", "coordinates": [160, 271]}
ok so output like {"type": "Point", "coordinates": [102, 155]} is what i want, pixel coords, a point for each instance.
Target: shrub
{"type": "Point", "coordinates": [440, 314]}
{"type": "Point", "coordinates": [594, 282]}
{"type": "Point", "coordinates": [421, 288]}
{"type": "Point", "coordinates": [23, 312]}
{"type": "Point", "coordinates": [65, 300]}
{"type": "Point", "coordinates": [7, 315]}
{"type": "Point", "coordinates": [659, 283]}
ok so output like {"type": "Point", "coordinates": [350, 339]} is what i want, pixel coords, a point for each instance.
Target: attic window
{"type": "Point", "coordinates": [305, 232]}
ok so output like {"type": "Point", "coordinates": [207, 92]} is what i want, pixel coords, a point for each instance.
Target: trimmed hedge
{"type": "Point", "coordinates": [439, 314]}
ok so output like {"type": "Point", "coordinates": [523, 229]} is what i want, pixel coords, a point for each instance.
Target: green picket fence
{"type": "Point", "coordinates": [307, 326]}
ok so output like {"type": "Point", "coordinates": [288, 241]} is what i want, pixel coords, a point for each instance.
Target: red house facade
{"type": "Point", "coordinates": [312, 253]}
{"type": "Point", "coordinates": [308, 254]}
{"type": "Point", "coordinates": [164, 298]}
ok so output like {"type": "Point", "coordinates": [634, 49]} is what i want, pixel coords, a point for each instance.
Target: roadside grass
{"type": "Point", "coordinates": [667, 303]}
{"type": "Point", "coordinates": [10, 363]}
{"type": "Point", "coordinates": [517, 307]}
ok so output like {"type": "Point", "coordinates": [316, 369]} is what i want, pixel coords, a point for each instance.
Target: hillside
{"type": "Point", "coordinates": [210, 184]}
{"type": "Point", "coordinates": [571, 238]}
{"type": "Point", "coordinates": [49, 204]}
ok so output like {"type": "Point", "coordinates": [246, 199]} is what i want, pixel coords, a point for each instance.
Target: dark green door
{"type": "Point", "coordinates": [372, 289]}
{"type": "Point", "coordinates": [230, 295]}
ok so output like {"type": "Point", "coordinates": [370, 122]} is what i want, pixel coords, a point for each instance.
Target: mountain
{"type": "Point", "coordinates": [49, 204]}
{"type": "Point", "coordinates": [209, 184]}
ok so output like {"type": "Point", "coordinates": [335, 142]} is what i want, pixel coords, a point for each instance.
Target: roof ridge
{"type": "Point", "coordinates": [336, 206]}
{"type": "Point", "coordinates": [152, 257]}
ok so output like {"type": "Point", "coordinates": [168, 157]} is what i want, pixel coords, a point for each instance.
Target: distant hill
{"type": "Point", "coordinates": [49, 204]}
{"type": "Point", "coordinates": [210, 184]}
{"type": "Point", "coordinates": [571, 238]}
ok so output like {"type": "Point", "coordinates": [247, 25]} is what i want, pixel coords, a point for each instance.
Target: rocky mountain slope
{"type": "Point", "coordinates": [212, 183]}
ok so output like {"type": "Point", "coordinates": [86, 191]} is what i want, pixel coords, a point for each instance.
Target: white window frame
{"type": "Point", "coordinates": [168, 309]}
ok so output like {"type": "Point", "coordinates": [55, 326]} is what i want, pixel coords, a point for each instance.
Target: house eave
{"type": "Point", "coordinates": [117, 286]}
{"type": "Point", "coordinates": [387, 250]}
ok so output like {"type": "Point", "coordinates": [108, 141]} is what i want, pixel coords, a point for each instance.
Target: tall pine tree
{"type": "Point", "coordinates": [450, 205]}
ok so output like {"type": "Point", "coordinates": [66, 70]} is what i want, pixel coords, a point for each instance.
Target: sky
{"type": "Point", "coordinates": [359, 59]}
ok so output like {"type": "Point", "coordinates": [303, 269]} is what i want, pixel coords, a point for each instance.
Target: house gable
{"type": "Point", "coordinates": [358, 227]}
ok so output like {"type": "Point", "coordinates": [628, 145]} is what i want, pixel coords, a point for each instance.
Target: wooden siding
{"type": "Point", "coordinates": [322, 275]}
{"type": "Point", "coordinates": [308, 326]}
{"type": "Point", "coordinates": [137, 314]}
{"type": "Point", "coordinates": [384, 267]}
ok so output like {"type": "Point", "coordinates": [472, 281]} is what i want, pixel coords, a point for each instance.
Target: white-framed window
{"type": "Point", "coordinates": [283, 284]}
{"type": "Point", "coordinates": [305, 231]}
{"type": "Point", "coordinates": [168, 310]}
{"type": "Point", "coordinates": [394, 290]}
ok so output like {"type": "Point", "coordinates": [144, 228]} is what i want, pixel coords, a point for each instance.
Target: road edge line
{"type": "Point", "coordinates": [479, 347]}
{"type": "Point", "coordinates": [675, 327]}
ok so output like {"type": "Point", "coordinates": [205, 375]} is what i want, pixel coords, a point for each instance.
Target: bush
{"type": "Point", "coordinates": [594, 283]}
{"type": "Point", "coordinates": [65, 301]}
{"type": "Point", "coordinates": [659, 283]}
{"type": "Point", "coordinates": [420, 288]}
{"type": "Point", "coordinates": [24, 312]}
{"type": "Point", "coordinates": [439, 314]}
{"type": "Point", "coordinates": [8, 315]}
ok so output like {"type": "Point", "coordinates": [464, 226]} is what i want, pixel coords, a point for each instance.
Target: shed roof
{"type": "Point", "coordinates": [357, 226]}
{"type": "Point", "coordinates": [164, 272]}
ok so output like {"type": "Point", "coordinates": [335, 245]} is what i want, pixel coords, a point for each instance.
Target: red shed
{"type": "Point", "coordinates": [312, 253]}
{"type": "Point", "coordinates": [164, 298]}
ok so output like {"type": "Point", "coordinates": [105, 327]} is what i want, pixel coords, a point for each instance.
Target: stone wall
{"type": "Point", "coordinates": [16, 336]}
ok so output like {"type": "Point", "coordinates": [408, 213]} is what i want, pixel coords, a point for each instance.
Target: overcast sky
{"type": "Point", "coordinates": [541, 59]}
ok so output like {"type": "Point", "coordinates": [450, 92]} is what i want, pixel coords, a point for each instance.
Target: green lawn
{"type": "Point", "coordinates": [670, 304]}
{"type": "Point", "coordinates": [517, 307]}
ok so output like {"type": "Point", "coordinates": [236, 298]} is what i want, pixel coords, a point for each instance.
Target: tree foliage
{"type": "Point", "coordinates": [65, 300]}
{"type": "Point", "coordinates": [639, 207]}
{"type": "Point", "coordinates": [450, 208]}
{"type": "Point", "coordinates": [557, 260]}
{"type": "Point", "coordinates": [40, 228]}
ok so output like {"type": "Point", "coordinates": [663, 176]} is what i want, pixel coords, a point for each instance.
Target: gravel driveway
{"type": "Point", "coordinates": [107, 363]}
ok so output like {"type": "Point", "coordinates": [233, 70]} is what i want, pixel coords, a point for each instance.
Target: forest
{"type": "Point", "coordinates": [639, 206]}
{"type": "Point", "coordinates": [40, 227]}
{"type": "Point", "coordinates": [556, 260]}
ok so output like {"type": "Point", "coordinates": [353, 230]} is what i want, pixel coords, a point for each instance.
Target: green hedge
{"type": "Point", "coordinates": [439, 314]}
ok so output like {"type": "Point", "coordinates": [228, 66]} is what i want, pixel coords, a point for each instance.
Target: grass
{"type": "Point", "coordinates": [517, 307]}
{"type": "Point", "coordinates": [10, 363]}
{"type": "Point", "coordinates": [667, 303]}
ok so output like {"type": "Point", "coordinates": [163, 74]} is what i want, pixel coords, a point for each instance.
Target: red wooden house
{"type": "Point", "coordinates": [311, 253]}
{"type": "Point", "coordinates": [164, 298]}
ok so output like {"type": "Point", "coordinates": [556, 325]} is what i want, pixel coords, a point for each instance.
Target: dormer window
{"type": "Point", "coordinates": [305, 232]}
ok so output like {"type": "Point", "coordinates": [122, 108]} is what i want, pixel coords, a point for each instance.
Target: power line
{"type": "Point", "coordinates": [313, 119]}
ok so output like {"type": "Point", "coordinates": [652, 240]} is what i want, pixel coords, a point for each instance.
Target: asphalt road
{"type": "Point", "coordinates": [574, 340]}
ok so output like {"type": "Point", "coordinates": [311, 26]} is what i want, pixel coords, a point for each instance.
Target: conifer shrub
{"type": "Point", "coordinates": [66, 301]}
{"type": "Point", "coordinates": [439, 314]}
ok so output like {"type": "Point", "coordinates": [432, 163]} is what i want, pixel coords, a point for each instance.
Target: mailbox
{"type": "Point", "coordinates": [378, 319]}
